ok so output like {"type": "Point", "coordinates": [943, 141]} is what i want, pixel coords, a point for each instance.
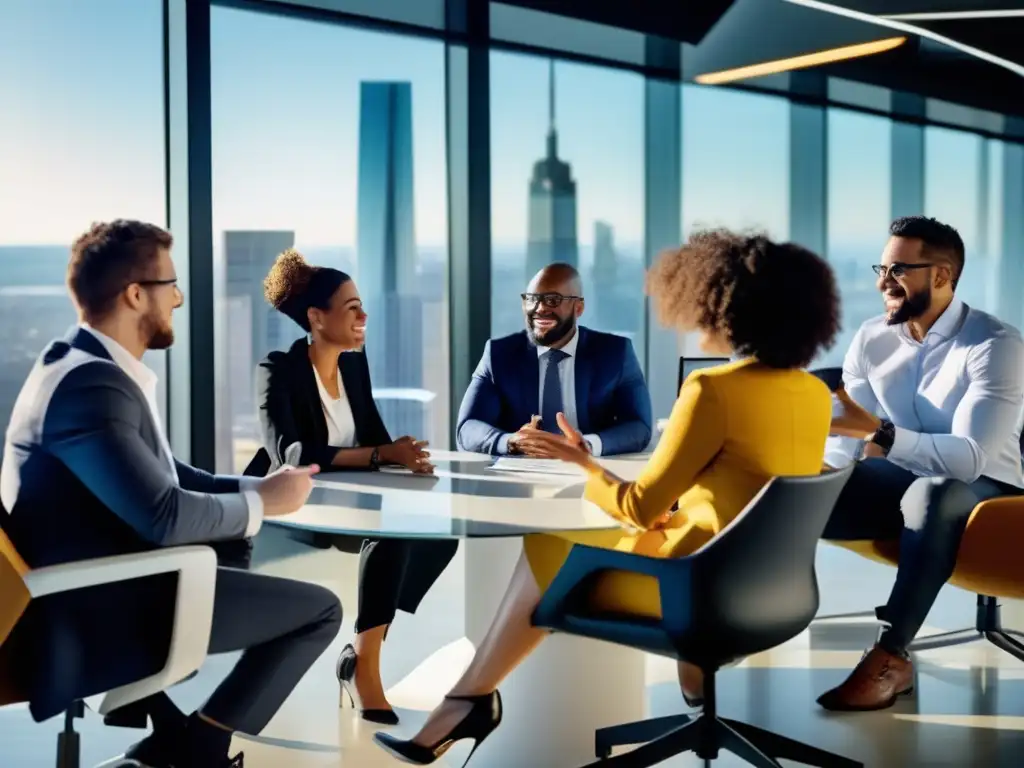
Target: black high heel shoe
{"type": "Point", "coordinates": [479, 722]}
{"type": "Point", "coordinates": [346, 671]}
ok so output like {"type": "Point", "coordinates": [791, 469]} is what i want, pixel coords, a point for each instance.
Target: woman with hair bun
{"type": "Point", "coordinates": [318, 395]}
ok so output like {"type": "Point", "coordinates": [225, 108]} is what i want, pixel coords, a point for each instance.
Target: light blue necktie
{"type": "Point", "coordinates": [551, 394]}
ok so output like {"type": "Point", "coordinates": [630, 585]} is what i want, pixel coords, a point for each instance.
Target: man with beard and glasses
{"type": "Point", "coordinates": [87, 472]}
{"type": "Point", "coordinates": [931, 409]}
{"type": "Point", "coordinates": [556, 366]}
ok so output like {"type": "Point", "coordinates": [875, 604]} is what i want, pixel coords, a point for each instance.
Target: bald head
{"type": "Point", "coordinates": [552, 303]}
{"type": "Point", "coordinates": [557, 278]}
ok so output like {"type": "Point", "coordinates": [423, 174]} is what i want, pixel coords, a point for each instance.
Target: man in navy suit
{"type": "Point", "coordinates": [556, 366]}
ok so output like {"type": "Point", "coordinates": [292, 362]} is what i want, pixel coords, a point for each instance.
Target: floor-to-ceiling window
{"type": "Point", "coordinates": [859, 212]}
{"type": "Point", "coordinates": [331, 140]}
{"type": "Point", "coordinates": [81, 140]}
{"type": "Point", "coordinates": [567, 185]}
{"type": "Point", "coordinates": [956, 189]}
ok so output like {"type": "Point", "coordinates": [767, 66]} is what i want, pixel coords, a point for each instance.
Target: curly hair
{"type": "Point", "coordinates": [776, 302]}
{"type": "Point", "coordinates": [293, 285]}
{"type": "Point", "coordinates": [940, 240]}
{"type": "Point", "coordinates": [107, 258]}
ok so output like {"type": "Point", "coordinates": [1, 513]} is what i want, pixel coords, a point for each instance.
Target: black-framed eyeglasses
{"type": "Point", "coordinates": [169, 281]}
{"type": "Point", "coordinates": [549, 300]}
{"type": "Point", "coordinates": [897, 269]}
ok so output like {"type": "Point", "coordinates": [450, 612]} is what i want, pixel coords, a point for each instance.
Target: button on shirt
{"type": "Point", "coordinates": [147, 380]}
{"type": "Point", "coordinates": [956, 398]}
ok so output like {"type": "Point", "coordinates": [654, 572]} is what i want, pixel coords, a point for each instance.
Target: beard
{"type": "Point", "coordinates": [554, 334]}
{"type": "Point", "coordinates": [912, 306]}
{"type": "Point", "coordinates": [160, 335]}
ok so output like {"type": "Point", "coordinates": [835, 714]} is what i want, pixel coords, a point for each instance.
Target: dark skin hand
{"type": "Point", "coordinates": [569, 447]}
{"type": "Point", "coordinates": [409, 453]}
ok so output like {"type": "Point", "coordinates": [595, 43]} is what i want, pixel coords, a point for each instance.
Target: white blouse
{"type": "Point", "coordinates": [341, 426]}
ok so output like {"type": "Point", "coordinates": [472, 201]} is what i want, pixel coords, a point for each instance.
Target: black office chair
{"type": "Point", "coordinates": [750, 589]}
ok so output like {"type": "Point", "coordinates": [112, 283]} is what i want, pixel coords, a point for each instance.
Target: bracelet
{"type": "Point", "coordinates": [375, 460]}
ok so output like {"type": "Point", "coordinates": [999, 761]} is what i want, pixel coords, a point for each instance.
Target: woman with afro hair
{"type": "Point", "coordinates": [771, 308]}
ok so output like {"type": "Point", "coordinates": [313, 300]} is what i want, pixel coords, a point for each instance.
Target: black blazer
{"type": "Point", "coordinates": [290, 409]}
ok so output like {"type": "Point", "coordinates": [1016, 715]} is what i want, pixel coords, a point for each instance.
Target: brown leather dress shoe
{"type": "Point", "coordinates": [875, 683]}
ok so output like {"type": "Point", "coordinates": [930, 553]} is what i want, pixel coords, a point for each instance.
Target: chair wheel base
{"type": "Point", "coordinates": [706, 735]}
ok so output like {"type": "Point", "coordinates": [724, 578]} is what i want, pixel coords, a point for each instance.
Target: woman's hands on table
{"type": "Point", "coordinates": [409, 453]}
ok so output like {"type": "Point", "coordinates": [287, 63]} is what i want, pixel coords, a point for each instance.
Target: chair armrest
{"type": "Point", "coordinates": [584, 562]}
{"type": "Point", "coordinates": [193, 606]}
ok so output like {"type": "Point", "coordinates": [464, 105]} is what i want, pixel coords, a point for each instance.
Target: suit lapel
{"type": "Point", "coordinates": [349, 366]}
{"type": "Point", "coordinates": [531, 377]}
{"type": "Point", "coordinates": [583, 374]}
{"type": "Point", "coordinates": [309, 395]}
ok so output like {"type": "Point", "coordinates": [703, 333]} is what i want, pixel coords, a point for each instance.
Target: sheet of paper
{"type": "Point", "coordinates": [537, 466]}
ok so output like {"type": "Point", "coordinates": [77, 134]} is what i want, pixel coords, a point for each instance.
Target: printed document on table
{"type": "Point", "coordinates": [537, 466]}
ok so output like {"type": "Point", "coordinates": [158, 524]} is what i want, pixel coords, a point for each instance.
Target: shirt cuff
{"type": "Point", "coordinates": [249, 483]}
{"type": "Point", "coordinates": [904, 444]}
{"type": "Point", "coordinates": [502, 447]}
{"type": "Point", "coordinates": [594, 442]}
{"type": "Point", "coordinates": [255, 503]}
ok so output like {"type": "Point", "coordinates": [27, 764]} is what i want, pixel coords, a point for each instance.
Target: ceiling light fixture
{"type": "Point", "coordinates": [955, 15]}
{"type": "Point", "coordinates": [902, 26]}
{"type": "Point", "coordinates": [816, 59]}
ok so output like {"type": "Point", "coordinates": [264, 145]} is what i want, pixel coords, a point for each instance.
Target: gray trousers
{"type": "Point", "coordinates": [281, 625]}
{"type": "Point", "coordinates": [927, 515]}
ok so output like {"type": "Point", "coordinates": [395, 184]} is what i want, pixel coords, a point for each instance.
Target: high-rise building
{"type": "Point", "coordinates": [387, 255]}
{"type": "Point", "coordinates": [606, 262]}
{"type": "Point", "coordinates": [252, 327]}
{"type": "Point", "coordinates": [552, 209]}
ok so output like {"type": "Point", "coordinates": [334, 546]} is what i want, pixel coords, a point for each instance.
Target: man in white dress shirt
{"type": "Point", "coordinates": [932, 404]}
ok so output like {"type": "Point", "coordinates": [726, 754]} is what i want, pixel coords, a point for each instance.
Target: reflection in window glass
{"type": "Point", "coordinates": [859, 212]}
{"type": "Point", "coordinates": [567, 185]}
{"type": "Point", "coordinates": [334, 145]}
{"type": "Point", "coordinates": [735, 161]}
{"type": "Point", "coordinates": [954, 193]}
{"type": "Point", "coordinates": [81, 140]}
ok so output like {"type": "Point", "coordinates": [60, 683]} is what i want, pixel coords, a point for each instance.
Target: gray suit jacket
{"type": "Point", "coordinates": [84, 475]}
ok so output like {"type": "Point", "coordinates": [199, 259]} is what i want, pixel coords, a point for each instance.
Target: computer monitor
{"type": "Point", "coordinates": [688, 365]}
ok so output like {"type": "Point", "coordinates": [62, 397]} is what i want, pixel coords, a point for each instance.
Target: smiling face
{"type": "Point", "coordinates": [155, 298]}
{"type": "Point", "coordinates": [907, 279]}
{"type": "Point", "coordinates": [551, 304]}
{"type": "Point", "coordinates": [343, 323]}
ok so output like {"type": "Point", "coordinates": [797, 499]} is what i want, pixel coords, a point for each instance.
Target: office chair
{"type": "Point", "coordinates": [750, 589]}
{"type": "Point", "coordinates": [982, 568]}
{"type": "Point", "coordinates": [193, 618]}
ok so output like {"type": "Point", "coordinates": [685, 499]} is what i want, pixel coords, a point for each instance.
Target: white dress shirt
{"type": "Point", "coordinates": [146, 379]}
{"type": "Point", "coordinates": [567, 379]}
{"type": "Point", "coordinates": [341, 426]}
{"type": "Point", "coordinates": [956, 398]}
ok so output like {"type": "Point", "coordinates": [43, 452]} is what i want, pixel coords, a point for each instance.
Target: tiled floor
{"type": "Point", "coordinates": [968, 709]}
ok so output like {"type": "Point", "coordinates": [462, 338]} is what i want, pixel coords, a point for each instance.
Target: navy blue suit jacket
{"type": "Point", "coordinates": [84, 476]}
{"type": "Point", "coordinates": [612, 400]}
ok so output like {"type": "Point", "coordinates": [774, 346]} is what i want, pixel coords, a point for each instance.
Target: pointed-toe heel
{"type": "Point", "coordinates": [346, 671]}
{"type": "Point", "coordinates": [481, 720]}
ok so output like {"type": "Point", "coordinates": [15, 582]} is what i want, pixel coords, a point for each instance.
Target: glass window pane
{"type": "Point", "coordinates": [954, 193]}
{"type": "Point", "coordinates": [735, 161]}
{"type": "Point", "coordinates": [335, 145]}
{"type": "Point", "coordinates": [859, 212]}
{"type": "Point", "coordinates": [81, 140]}
{"type": "Point", "coordinates": [567, 184]}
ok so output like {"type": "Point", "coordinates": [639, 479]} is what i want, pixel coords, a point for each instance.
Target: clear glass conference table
{"type": "Point", "coordinates": [570, 686]}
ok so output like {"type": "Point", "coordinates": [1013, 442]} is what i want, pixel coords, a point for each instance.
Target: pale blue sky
{"type": "Point", "coordinates": [81, 134]}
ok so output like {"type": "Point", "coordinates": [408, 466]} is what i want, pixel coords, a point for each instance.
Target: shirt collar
{"type": "Point", "coordinates": [125, 360]}
{"type": "Point", "coordinates": [569, 349]}
{"type": "Point", "coordinates": [945, 326]}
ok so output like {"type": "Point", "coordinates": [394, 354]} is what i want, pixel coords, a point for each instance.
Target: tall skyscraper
{"type": "Point", "coordinates": [387, 254]}
{"type": "Point", "coordinates": [605, 259]}
{"type": "Point", "coordinates": [252, 327]}
{"type": "Point", "coordinates": [552, 209]}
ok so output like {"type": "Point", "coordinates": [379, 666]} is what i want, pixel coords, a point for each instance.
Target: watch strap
{"type": "Point", "coordinates": [885, 436]}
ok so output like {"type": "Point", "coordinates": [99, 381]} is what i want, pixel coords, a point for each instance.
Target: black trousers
{"type": "Point", "coordinates": [928, 516]}
{"type": "Point", "coordinates": [395, 574]}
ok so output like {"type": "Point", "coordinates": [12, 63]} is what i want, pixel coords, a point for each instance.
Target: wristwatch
{"type": "Point", "coordinates": [884, 436]}
{"type": "Point", "coordinates": [375, 460]}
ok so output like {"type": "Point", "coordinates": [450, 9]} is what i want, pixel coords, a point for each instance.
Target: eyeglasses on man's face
{"type": "Point", "coordinates": [897, 269]}
{"type": "Point", "coordinates": [549, 300]}
{"type": "Point", "coordinates": [171, 281]}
